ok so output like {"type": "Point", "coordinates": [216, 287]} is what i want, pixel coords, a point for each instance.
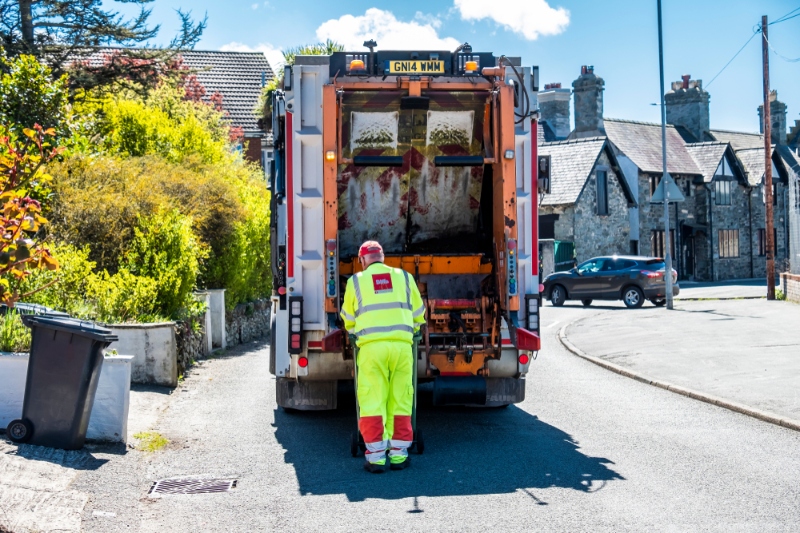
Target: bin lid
{"type": "Point", "coordinates": [31, 309]}
{"type": "Point", "coordinates": [84, 328]}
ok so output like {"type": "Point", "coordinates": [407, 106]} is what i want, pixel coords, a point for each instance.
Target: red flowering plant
{"type": "Point", "coordinates": [22, 174]}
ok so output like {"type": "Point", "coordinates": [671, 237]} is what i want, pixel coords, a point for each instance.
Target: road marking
{"type": "Point", "coordinates": [551, 325]}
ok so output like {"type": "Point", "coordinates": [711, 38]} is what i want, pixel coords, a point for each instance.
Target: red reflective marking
{"type": "Point", "coordinates": [523, 359]}
{"type": "Point", "coordinates": [402, 428]}
{"type": "Point", "coordinates": [303, 362]}
{"type": "Point", "coordinates": [506, 342]}
{"type": "Point", "coordinates": [455, 374]}
{"type": "Point", "coordinates": [371, 428]}
{"type": "Point", "coordinates": [289, 196]}
{"type": "Point", "coordinates": [528, 340]}
{"type": "Point", "coordinates": [534, 198]}
{"type": "Point", "coordinates": [453, 303]}
{"type": "Point", "coordinates": [315, 344]}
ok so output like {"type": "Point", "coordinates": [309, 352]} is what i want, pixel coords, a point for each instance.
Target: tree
{"type": "Point", "coordinates": [92, 43]}
{"type": "Point", "coordinates": [22, 168]}
{"type": "Point", "coordinates": [30, 95]}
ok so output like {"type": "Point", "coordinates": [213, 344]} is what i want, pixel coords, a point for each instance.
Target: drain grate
{"type": "Point", "coordinates": [192, 486]}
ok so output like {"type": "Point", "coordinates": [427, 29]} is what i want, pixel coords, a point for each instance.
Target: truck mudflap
{"type": "Point", "coordinates": [477, 390]}
{"type": "Point", "coordinates": [306, 395]}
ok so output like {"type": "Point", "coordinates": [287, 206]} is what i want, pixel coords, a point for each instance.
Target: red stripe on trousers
{"type": "Point", "coordinates": [371, 428]}
{"type": "Point", "coordinates": [402, 428]}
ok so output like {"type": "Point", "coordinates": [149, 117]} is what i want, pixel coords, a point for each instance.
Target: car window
{"type": "Point", "coordinates": [589, 266]}
{"type": "Point", "coordinates": [609, 265]}
{"type": "Point", "coordinates": [624, 264]}
{"type": "Point", "coordinates": [656, 264]}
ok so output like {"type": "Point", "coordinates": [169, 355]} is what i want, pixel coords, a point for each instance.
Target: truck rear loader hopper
{"type": "Point", "coordinates": [433, 155]}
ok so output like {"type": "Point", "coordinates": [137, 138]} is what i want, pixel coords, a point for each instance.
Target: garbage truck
{"type": "Point", "coordinates": [433, 154]}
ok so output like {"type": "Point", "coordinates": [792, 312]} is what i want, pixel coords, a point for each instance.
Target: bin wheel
{"type": "Point", "coordinates": [420, 443]}
{"type": "Point", "coordinates": [355, 449]}
{"type": "Point", "coordinates": [20, 431]}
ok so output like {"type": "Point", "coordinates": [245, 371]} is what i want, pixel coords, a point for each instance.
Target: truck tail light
{"type": "Point", "coordinates": [511, 268]}
{"type": "Point", "coordinates": [295, 324]}
{"type": "Point", "coordinates": [524, 359]}
{"type": "Point", "coordinates": [332, 262]}
{"type": "Point", "coordinates": [302, 362]}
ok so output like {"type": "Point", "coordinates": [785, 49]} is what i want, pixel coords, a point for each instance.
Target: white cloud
{"type": "Point", "coordinates": [390, 33]}
{"type": "Point", "coordinates": [529, 18]}
{"type": "Point", "coordinates": [254, 6]}
{"type": "Point", "coordinates": [274, 55]}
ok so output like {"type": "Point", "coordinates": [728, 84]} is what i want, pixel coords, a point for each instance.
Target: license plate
{"type": "Point", "coordinates": [415, 67]}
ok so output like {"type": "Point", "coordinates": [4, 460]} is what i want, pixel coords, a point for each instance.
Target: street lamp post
{"type": "Point", "coordinates": [665, 175]}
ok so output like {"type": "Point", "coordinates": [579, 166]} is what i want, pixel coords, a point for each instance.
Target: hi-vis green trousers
{"type": "Point", "coordinates": [386, 398]}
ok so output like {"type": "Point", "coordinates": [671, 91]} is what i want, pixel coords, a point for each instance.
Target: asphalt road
{"type": "Point", "coordinates": [587, 451]}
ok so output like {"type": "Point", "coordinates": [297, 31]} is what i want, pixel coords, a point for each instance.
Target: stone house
{"type": "Point", "coordinates": [589, 198]}
{"type": "Point", "coordinates": [791, 161]}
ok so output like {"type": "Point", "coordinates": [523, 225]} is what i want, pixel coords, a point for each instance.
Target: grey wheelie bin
{"type": "Point", "coordinates": [63, 371]}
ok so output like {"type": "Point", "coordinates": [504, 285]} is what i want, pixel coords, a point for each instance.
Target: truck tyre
{"type": "Point", "coordinates": [558, 295]}
{"type": "Point", "coordinates": [632, 296]}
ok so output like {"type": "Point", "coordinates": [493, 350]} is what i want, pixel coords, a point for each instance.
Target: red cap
{"type": "Point", "coordinates": [370, 247]}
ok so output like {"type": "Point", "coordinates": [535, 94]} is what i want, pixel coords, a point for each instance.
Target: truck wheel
{"type": "Point", "coordinates": [558, 295]}
{"type": "Point", "coordinates": [20, 431]}
{"type": "Point", "coordinates": [355, 449]}
{"type": "Point", "coordinates": [420, 443]}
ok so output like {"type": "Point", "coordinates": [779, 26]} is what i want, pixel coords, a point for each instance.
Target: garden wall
{"type": "Point", "coordinates": [791, 287]}
{"type": "Point", "coordinates": [248, 322]}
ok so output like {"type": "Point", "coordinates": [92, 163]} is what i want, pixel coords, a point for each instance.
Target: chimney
{"type": "Point", "coordinates": [687, 106]}
{"type": "Point", "coordinates": [587, 91]}
{"type": "Point", "coordinates": [554, 109]}
{"type": "Point", "coordinates": [777, 115]}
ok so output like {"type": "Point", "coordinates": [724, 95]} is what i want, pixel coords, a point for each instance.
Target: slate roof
{"type": "Point", "coordinates": [641, 143]}
{"type": "Point", "coordinates": [237, 76]}
{"type": "Point", "coordinates": [738, 139]}
{"type": "Point", "coordinates": [707, 155]}
{"type": "Point", "coordinates": [571, 163]}
{"type": "Point", "coordinates": [791, 159]}
{"type": "Point", "coordinates": [753, 161]}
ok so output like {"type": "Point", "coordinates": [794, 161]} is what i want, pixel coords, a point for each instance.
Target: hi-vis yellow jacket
{"type": "Point", "coordinates": [382, 304]}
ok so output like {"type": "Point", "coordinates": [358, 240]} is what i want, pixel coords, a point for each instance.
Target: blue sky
{"type": "Point", "coordinates": [618, 37]}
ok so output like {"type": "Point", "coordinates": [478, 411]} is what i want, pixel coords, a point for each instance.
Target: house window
{"type": "Point", "coordinates": [722, 191]}
{"type": "Point", "coordinates": [797, 195]}
{"type": "Point", "coordinates": [762, 240]}
{"type": "Point", "coordinates": [657, 243]}
{"type": "Point", "coordinates": [654, 181]}
{"type": "Point", "coordinates": [602, 192]}
{"type": "Point", "coordinates": [723, 179]}
{"type": "Point", "coordinates": [688, 188]}
{"type": "Point", "coordinates": [729, 243]}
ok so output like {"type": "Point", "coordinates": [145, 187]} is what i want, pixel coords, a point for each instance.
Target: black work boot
{"type": "Point", "coordinates": [401, 466]}
{"type": "Point", "coordinates": [374, 468]}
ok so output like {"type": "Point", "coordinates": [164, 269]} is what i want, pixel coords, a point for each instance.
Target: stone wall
{"type": "Point", "coordinates": [791, 287]}
{"type": "Point", "coordinates": [248, 322]}
{"type": "Point", "coordinates": [601, 234]}
{"type": "Point", "coordinates": [794, 223]}
{"type": "Point", "coordinates": [190, 338]}
{"type": "Point", "coordinates": [587, 96]}
{"type": "Point", "coordinates": [688, 107]}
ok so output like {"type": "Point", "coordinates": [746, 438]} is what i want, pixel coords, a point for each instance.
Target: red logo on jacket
{"type": "Point", "coordinates": [382, 283]}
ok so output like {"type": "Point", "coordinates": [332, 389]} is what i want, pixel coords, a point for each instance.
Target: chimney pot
{"type": "Point", "coordinates": [685, 79]}
{"type": "Point", "coordinates": [583, 69]}
{"type": "Point", "coordinates": [591, 69]}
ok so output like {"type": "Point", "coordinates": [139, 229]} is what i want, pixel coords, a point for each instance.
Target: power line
{"type": "Point", "coordinates": [785, 17]}
{"type": "Point", "coordinates": [790, 60]}
{"type": "Point", "coordinates": [731, 61]}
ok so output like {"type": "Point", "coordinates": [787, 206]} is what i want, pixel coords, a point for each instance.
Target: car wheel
{"type": "Point", "coordinates": [558, 295]}
{"type": "Point", "coordinates": [632, 296]}
{"type": "Point", "coordinates": [586, 302]}
{"type": "Point", "coordinates": [658, 302]}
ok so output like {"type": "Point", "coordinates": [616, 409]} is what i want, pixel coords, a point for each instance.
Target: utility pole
{"type": "Point", "coordinates": [665, 177]}
{"type": "Point", "coordinates": [770, 232]}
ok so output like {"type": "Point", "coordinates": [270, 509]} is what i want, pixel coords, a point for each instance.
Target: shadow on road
{"type": "Point", "coordinates": [74, 460]}
{"type": "Point", "coordinates": [467, 452]}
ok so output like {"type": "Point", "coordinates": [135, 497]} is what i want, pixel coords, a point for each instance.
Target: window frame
{"type": "Point", "coordinates": [604, 172]}
{"type": "Point", "coordinates": [728, 243]}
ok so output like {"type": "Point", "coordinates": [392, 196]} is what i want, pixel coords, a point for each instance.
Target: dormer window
{"type": "Point", "coordinates": [723, 182]}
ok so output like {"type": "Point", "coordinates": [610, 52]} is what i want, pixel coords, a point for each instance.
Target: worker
{"type": "Point", "coordinates": [384, 310]}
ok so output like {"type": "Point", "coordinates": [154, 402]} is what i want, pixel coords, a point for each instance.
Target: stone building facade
{"type": "Point", "coordinates": [589, 199]}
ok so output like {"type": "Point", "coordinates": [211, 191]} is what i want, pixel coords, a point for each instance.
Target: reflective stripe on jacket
{"type": "Point", "coordinates": [382, 304]}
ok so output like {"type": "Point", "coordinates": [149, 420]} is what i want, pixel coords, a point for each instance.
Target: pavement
{"type": "Point", "coordinates": [722, 343]}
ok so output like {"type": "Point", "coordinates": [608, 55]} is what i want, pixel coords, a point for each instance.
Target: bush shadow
{"type": "Point", "coordinates": [468, 451]}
